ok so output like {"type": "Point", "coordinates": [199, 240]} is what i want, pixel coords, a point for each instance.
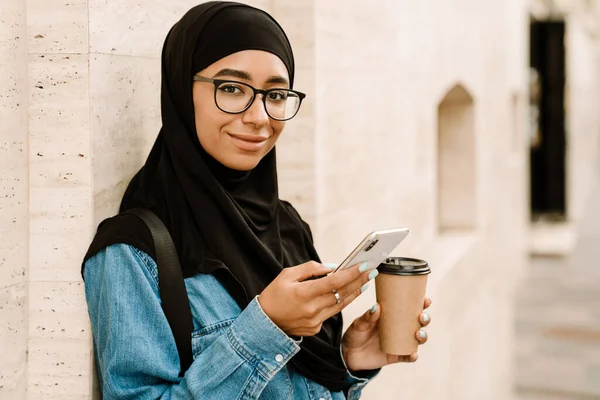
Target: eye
{"type": "Point", "coordinates": [230, 88]}
{"type": "Point", "coordinates": [278, 95]}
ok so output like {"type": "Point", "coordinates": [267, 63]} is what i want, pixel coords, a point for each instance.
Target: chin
{"type": "Point", "coordinates": [242, 163]}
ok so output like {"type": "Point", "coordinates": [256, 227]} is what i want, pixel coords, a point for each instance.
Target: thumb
{"type": "Point", "coordinates": [366, 321]}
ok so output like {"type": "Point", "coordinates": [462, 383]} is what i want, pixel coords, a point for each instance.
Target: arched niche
{"type": "Point", "coordinates": [456, 169]}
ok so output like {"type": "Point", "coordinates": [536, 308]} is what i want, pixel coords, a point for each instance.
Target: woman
{"type": "Point", "coordinates": [262, 328]}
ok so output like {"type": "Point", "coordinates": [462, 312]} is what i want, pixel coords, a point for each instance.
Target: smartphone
{"type": "Point", "coordinates": [374, 248]}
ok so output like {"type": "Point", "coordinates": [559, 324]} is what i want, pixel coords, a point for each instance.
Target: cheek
{"type": "Point", "coordinates": [209, 122]}
{"type": "Point", "coordinates": [277, 129]}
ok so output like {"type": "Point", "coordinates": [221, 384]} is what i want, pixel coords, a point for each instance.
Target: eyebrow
{"type": "Point", "coordinates": [246, 76]}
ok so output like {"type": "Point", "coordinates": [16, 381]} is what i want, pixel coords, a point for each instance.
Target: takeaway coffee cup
{"type": "Point", "coordinates": [400, 288]}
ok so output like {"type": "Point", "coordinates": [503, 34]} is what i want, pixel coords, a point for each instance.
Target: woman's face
{"type": "Point", "coordinates": [239, 141]}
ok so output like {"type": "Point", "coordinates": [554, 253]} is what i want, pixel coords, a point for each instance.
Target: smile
{"type": "Point", "coordinates": [248, 142]}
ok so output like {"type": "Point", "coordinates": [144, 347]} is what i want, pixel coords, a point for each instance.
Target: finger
{"type": "Point", "coordinates": [326, 301]}
{"type": "Point", "coordinates": [367, 320]}
{"type": "Point", "coordinates": [328, 305]}
{"type": "Point", "coordinates": [349, 292]}
{"type": "Point", "coordinates": [307, 270]}
{"type": "Point", "coordinates": [334, 281]}
{"type": "Point", "coordinates": [424, 319]}
{"type": "Point", "coordinates": [375, 313]}
{"type": "Point", "coordinates": [426, 303]}
{"type": "Point", "coordinates": [330, 311]}
{"type": "Point", "coordinates": [421, 336]}
{"type": "Point", "coordinates": [392, 359]}
{"type": "Point", "coordinates": [362, 283]}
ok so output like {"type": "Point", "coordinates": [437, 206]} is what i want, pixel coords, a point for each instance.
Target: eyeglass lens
{"type": "Point", "coordinates": [235, 97]}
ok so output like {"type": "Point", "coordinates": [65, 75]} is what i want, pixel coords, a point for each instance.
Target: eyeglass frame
{"type": "Point", "coordinates": [264, 92]}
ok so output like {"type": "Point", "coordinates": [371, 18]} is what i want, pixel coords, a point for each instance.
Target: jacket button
{"type": "Point", "coordinates": [279, 358]}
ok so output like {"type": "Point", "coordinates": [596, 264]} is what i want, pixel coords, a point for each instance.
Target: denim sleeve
{"type": "Point", "coordinates": [135, 351]}
{"type": "Point", "coordinates": [358, 380]}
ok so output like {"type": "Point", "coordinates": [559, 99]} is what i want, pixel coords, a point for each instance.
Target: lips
{"type": "Point", "coordinates": [249, 138]}
{"type": "Point", "coordinates": [247, 142]}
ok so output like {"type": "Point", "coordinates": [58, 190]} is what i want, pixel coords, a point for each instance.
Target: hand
{"type": "Point", "coordinates": [299, 306]}
{"type": "Point", "coordinates": [360, 345]}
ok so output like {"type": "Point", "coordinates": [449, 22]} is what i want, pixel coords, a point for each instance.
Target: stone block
{"type": "Point", "coordinates": [60, 229]}
{"type": "Point", "coordinates": [59, 369]}
{"type": "Point", "coordinates": [125, 110]}
{"type": "Point", "coordinates": [59, 121]}
{"type": "Point", "coordinates": [13, 341]}
{"type": "Point", "coordinates": [57, 26]}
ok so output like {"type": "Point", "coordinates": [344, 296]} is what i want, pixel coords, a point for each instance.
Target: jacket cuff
{"type": "Point", "coordinates": [357, 380]}
{"type": "Point", "coordinates": [258, 340]}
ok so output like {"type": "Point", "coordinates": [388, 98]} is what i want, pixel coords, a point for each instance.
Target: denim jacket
{"type": "Point", "coordinates": [238, 354]}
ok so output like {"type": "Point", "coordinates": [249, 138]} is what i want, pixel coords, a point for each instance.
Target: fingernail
{"type": "Point", "coordinates": [373, 274]}
{"type": "Point", "coordinates": [425, 317]}
{"type": "Point", "coordinates": [422, 334]}
{"type": "Point", "coordinates": [364, 287]}
{"type": "Point", "coordinates": [330, 265]}
{"type": "Point", "coordinates": [373, 309]}
{"type": "Point", "coordinates": [363, 267]}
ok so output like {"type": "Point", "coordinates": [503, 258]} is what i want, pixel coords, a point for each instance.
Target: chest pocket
{"type": "Point", "coordinates": [204, 337]}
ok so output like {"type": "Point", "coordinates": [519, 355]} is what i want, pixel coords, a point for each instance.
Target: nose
{"type": "Point", "coordinates": [256, 114]}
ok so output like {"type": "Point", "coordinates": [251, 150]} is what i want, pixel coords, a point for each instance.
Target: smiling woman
{"type": "Point", "coordinates": [260, 327]}
{"type": "Point", "coordinates": [245, 130]}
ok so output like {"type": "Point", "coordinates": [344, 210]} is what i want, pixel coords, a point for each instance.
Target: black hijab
{"type": "Point", "coordinates": [224, 222]}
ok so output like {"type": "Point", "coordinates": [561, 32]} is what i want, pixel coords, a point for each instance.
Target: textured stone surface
{"type": "Point", "coordinates": [125, 120]}
{"type": "Point", "coordinates": [59, 353]}
{"type": "Point", "coordinates": [136, 28]}
{"type": "Point", "coordinates": [57, 26]}
{"type": "Point", "coordinates": [13, 341]}
{"type": "Point", "coordinates": [14, 205]}
{"type": "Point", "coordinates": [60, 192]}
{"type": "Point", "coordinates": [59, 165]}
{"type": "Point", "coordinates": [59, 369]}
{"type": "Point", "coordinates": [13, 144]}
{"type": "Point", "coordinates": [59, 120]}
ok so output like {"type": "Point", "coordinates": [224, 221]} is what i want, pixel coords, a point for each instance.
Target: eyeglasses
{"type": "Point", "coordinates": [235, 97]}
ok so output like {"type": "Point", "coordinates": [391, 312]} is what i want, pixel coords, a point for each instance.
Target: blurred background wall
{"type": "Point", "coordinates": [418, 115]}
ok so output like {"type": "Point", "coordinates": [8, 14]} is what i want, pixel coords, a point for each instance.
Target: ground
{"type": "Point", "coordinates": [558, 320]}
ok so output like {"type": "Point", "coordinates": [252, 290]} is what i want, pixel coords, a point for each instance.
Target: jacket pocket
{"type": "Point", "coordinates": [204, 337]}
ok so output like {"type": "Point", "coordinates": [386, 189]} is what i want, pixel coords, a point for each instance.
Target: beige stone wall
{"type": "Point", "coordinates": [80, 110]}
{"type": "Point", "coordinates": [14, 202]}
{"type": "Point", "coordinates": [60, 217]}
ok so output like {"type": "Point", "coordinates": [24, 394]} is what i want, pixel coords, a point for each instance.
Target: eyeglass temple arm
{"type": "Point", "coordinates": [203, 79]}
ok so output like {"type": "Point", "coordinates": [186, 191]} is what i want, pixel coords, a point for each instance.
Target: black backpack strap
{"type": "Point", "coordinates": [175, 301]}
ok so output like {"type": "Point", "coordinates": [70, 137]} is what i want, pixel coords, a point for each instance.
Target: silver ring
{"type": "Point", "coordinates": [338, 299]}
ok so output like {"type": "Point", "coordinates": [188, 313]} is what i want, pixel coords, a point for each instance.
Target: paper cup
{"type": "Point", "coordinates": [400, 288]}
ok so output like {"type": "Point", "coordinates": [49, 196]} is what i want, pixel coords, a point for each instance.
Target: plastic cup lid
{"type": "Point", "coordinates": [404, 266]}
